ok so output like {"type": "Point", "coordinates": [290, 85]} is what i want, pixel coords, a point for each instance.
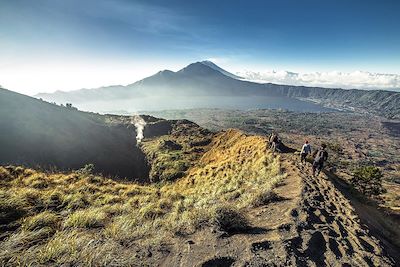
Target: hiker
{"type": "Point", "coordinates": [274, 142]}
{"type": "Point", "coordinates": [320, 157]}
{"type": "Point", "coordinates": [305, 150]}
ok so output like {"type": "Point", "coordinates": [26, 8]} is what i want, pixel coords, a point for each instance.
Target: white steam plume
{"type": "Point", "coordinates": [139, 124]}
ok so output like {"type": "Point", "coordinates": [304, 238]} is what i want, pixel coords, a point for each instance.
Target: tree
{"type": "Point", "coordinates": [368, 180]}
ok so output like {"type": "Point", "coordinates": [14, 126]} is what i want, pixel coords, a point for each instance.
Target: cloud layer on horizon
{"type": "Point", "coordinates": [333, 79]}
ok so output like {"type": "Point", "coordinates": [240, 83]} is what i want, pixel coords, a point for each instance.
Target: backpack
{"type": "Point", "coordinates": [320, 157]}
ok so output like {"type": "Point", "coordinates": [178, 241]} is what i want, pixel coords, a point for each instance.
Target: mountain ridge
{"type": "Point", "coordinates": [199, 79]}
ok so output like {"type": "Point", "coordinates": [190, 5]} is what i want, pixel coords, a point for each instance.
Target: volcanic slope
{"type": "Point", "coordinates": [237, 205]}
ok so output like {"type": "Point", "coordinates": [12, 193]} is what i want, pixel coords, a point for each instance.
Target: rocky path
{"type": "Point", "coordinates": [329, 231]}
{"type": "Point", "coordinates": [324, 231]}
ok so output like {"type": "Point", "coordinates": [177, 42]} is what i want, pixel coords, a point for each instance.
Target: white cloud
{"type": "Point", "coordinates": [334, 79]}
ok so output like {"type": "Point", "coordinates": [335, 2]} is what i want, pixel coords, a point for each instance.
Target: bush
{"type": "Point", "coordinates": [368, 180]}
{"type": "Point", "coordinates": [230, 220]}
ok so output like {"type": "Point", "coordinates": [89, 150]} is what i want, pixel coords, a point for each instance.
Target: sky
{"type": "Point", "coordinates": [49, 45]}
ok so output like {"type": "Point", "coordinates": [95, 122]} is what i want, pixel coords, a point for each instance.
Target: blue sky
{"type": "Point", "coordinates": [47, 45]}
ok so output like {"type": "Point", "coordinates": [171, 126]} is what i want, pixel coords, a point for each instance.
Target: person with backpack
{"type": "Point", "coordinates": [320, 157]}
{"type": "Point", "coordinates": [305, 150]}
{"type": "Point", "coordinates": [274, 142]}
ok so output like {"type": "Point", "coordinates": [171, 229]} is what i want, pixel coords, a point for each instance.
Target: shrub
{"type": "Point", "coordinates": [368, 180]}
{"type": "Point", "coordinates": [229, 220]}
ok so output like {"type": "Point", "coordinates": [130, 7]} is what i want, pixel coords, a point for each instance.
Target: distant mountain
{"type": "Point", "coordinates": [204, 84]}
{"type": "Point", "coordinates": [197, 79]}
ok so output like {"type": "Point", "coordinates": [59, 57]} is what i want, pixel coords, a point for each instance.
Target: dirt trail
{"type": "Point", "coordinates": [313, 225]}
{"type": "Point", "coordinates": [329, 231]}
{"type": "Point", "coordinates": [324, 229]}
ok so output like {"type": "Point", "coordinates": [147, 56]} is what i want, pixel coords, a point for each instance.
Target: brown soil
{"type": "Point", "coordinates": [313, 224]}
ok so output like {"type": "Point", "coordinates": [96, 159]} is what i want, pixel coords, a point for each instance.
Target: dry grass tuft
{"type": "Point", "coordinates": [41, 220]}
{"type": "Point", "coordinates": [89, 218]}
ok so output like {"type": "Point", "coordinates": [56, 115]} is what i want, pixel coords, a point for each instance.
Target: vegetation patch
{"type": "Point", "coordinates": [84, 219]}
{"type": "Point", "coordinates": [368, 180]}
{"type": "Point", "coordinates": [172, 155]}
